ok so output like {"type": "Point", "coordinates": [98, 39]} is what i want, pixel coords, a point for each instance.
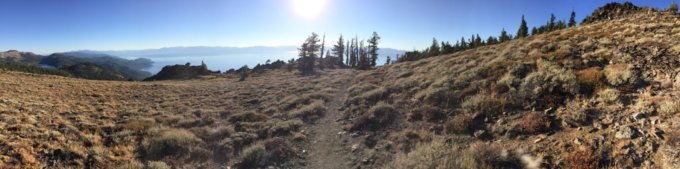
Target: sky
{"type": "Point", "coordinates": [47, 26]}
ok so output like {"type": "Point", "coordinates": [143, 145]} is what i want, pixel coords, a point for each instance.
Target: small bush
{"type": "Point", "coordinates": [157, 165]}
{"type": "Point", "coordinates": [134, 164]}
{"type": "Point", "coordinates": [271, 151]}
{"type": "Point", "coordinates": [294, 101]}
{"type": "Point", "coordinates": [426, 112]}
{"type": "Point", "coordinates": [610, 96]}
{"type": "Point", "coordinates": [534, 123]}
{"type": "Point", "coordinates": [309, 112]}
{"type": "Point", "coordinates": [582, 158]}
{"type": "Point", "coordinates": [668, 107]}
{"type": "Point", "coordinates": [370, 97]}
{"type": "Point", "coordinates": [254, 156]}
{"type": "Point", "coordinates": [621, 74]}
{"type": "Point", "coordinates": [279, 149]}
{"type": "Point", "coordinates": [591, 79]}
{"type": "Point", "coordinates": [249, 116]}
{"type": "Point", "coordinates": [486, 103]}
{"type": "Point", "coordinates": [575, 113]}
{"type": "Point", "coordinates": [378, 116]}
{"type": "Point", "coordinates": [548, 86]}
{"type": "Point", "coordinates": [174, 143]}
{"type": "Point", "coordinates": [671, 149]}
{"type": "Point", "coordinates": [460, 124]}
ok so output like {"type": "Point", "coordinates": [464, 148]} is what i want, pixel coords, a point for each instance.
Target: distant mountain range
{"type": "Point", "coordinates": [217, 58]}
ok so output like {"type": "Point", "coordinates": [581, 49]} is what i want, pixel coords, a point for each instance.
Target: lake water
{"type": "Point", "coordinates": [218, 62]}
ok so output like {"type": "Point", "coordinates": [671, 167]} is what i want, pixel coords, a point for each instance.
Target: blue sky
{"type": "Point", "coordinates": [46, 26]}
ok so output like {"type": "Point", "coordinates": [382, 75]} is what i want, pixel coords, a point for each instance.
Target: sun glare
{"type": "Point", "coordinates": [308, 9]}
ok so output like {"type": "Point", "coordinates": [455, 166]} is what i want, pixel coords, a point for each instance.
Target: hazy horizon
{"type": "Point", "coordinates": [58, 26]}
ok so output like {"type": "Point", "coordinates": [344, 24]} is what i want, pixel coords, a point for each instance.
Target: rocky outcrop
{"type": "Point", "coordinates": [180, 72]}
{"type": "Point", "coordinates": [611, 11]}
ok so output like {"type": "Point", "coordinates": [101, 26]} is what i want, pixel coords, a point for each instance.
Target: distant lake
{"type": "Point", "coordinates": [217, 62]}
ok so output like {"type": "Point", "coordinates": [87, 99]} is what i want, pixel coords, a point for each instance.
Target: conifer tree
{"type": "Point", "coordinates": [523, 29]}
{"type": "Point", "coordinates": [389, 60]}
{"type": "Point", "coordinates": [673, 7]}
{"type": "Point", "coordinates": [504, 36]}
{"type": "Point", "coordinates": [347, 47]}
{"type": "Point", "coordinates": [534, 31]}
{"type": "Point", "coordinates": [339, 51]}
{"type": "Point", "coordinates": [434, 48]}
{"type": "Point", "coordinates": [308, 53]}
{"type": "Point", "coordinates": [551, 23]}
{"type": "Point", "coordinates": [572, 19]}
{"type": "Point", "coordinates": [373, 48]}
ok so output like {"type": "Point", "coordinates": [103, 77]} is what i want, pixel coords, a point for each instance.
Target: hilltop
{"type": "Point", "coordinates": [603, 94]}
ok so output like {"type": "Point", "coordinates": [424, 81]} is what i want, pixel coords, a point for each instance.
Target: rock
{"type": "Point", "coordinates": [355, 134]}
{"type": "Point", "coordinates": [479, 133]}
{"type": "Point", "coordinates": [639, 116]}
{"type": "Point", "coordinates": [500, 121]}
{"type": "Point", "coordinates": [624, 132]}
{"type": "Point", "coordinates": [355, 147]}
{"type": "Point", "coordinates": [538, 140]}
{"type": "Point", "coordinates": [578, 141]}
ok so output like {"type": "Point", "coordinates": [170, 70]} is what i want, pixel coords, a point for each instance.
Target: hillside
{"type": "Point", "coordinates": [604, 94]}
{"type": "Point", "coordinates": [16, 57]}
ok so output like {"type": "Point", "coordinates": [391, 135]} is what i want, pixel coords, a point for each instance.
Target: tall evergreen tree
{"type": "Point", "coordinates": [463, 44]}
{"type": "Point", "coordinates": [347, 48]}
{"type": "Point", "coordinates": [388, 61]}
{"type": "Point", "coordinates": [323, 46]}
{"type": "Point", "coordinates": [673, 7]}
{"type": "Point", "coordinates": [534, 31]}
{"type": "Point", "coordinates": [373, 48]}
{"type": "Point", "coordinates": [551, 23]}
{"type": "Point", "coordinates": [434, 48]}
{"type": "Point", "coordinates": [523, 29]}
{"type": "Point", "coordinates": [352, 53]}
{"type": "Point", "coordinates": [504, 36]}
{"type": "Point", "coordinates": [339, 51]}
{"type": "Point", "coordinates": [308, 53]}
{"type": "Point", "coordinates": [572, 19]}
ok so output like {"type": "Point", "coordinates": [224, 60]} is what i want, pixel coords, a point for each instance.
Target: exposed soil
{"type": "Point", "coordinates": [327, 146]}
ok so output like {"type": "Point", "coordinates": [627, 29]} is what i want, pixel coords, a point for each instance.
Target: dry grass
{"type": "Point", "coordinates": [583, 157]}
{"type": "Point", "coordinates": [183, 124]}
{"type": "Point", "coordinates": [534, 123]}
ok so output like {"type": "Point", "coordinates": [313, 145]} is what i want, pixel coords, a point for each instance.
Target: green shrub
{"type": "Point", "coordinates": [621, 74]}
{"type": "Point", "coordinates": [548, 86]}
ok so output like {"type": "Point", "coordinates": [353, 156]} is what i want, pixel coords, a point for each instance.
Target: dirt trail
{"type": "Point", "coordinates": [326, 149]}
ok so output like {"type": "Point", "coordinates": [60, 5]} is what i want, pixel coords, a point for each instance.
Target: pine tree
{"type": "Point", "coordinates": [551, 23]}
{"type": "Point", "coordinates": [308, 53]}
{"type": "Point", "coordinates": [463, 45]}
{"type": "Point", "coordinates": [323, 46]}
{"type": "Point", "coordinates": [504, 36]}
{"type": "Point", "coordinates": [373, 48]}
{"type": "Point", "coordinates": [434, 48]}
{"type": "Point", "coordinates": [534, 31]}
{"type": "Point", "coordinates": [523, 29]}
{"type": "Point", "coordinates": [389, 60]}
{"type": "Point", "coordinates": [339, 50]}
{"type": "Point", "coordinates": [352, 53]}
{"type": "Point", "coordinates": [347, 47]}
{"type": "Point", "coordinates": [673, 7]}
{"type": "Point", "coordinates": [572, 19]}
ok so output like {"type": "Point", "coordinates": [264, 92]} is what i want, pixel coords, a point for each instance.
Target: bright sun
{"type": "Point", "coordinates": [308, 9]}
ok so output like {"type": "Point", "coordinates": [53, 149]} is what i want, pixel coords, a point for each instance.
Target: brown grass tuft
{"type": "Point", "coordinates": [535, 122]}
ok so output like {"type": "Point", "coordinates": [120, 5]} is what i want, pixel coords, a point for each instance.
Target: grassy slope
{"type": "Point", "coordinates": [58, 121]}
{"type": "Point", "coordinates": [591, 79]}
